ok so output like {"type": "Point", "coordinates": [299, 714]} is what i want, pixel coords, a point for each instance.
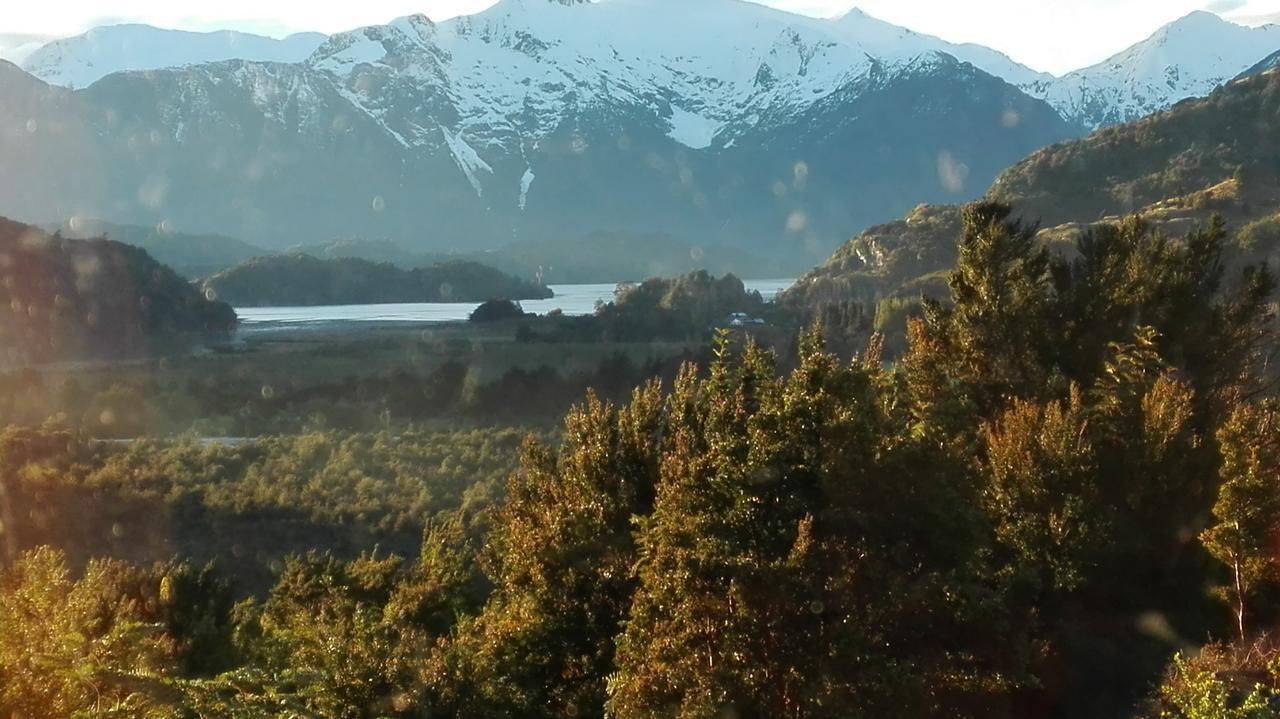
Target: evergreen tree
{"type": "Point", "coordinates": [560, 561]}
{"type": "Point", "coordinates": [1247, 512]}
{"type": "Point", "coordinates": [791, 568]}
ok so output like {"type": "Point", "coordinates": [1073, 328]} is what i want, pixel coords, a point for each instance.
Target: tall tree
{"type": "Point", "coordinates": [1247, 512]}
{"type": "Point", "coordinates": [560, 560]}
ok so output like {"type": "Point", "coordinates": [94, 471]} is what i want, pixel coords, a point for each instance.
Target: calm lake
{"type": "Point", "coordinates": [570, 299]}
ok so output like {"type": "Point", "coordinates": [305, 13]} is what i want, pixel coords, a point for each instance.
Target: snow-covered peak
{"type": "Point", "coordinates": [1271, 62]}
{"type": "Point", "coordinates": [1186, 58]}
{"type": "Point", "coordinates": [84, 59]}
{"type": "Point", "coordinates": [397, 44]}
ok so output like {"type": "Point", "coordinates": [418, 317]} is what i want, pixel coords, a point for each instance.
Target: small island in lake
{"type": "Point", "coordinates": [300, 280]}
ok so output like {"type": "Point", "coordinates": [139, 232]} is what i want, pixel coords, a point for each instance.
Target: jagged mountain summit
{"type": "Point", "coordinates": [537, 120]}
{"type": "Point", "coordinates": [726, 64]}
{"type": "Point", "coordinates": [84, 59]}
{"type": "Point", "coordinates": [1187, 58]}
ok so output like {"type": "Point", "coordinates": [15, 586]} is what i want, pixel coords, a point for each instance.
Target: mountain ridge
{"type": "Point", "coordinates": [741, 125]}
{"type": "Point", "coordinates": [81, 60]}
{"type": "Point", "coordinates": [345, 143]}
{"type": "Point", "coordinates": [1218, 155]}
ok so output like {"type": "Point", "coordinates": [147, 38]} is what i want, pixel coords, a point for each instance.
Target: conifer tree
{"type": "Point", "coordinates": [1248, 507]}
{"type": "Point", "coordinates": [560, 561]}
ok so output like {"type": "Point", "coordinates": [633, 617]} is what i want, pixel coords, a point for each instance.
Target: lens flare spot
{"type": "Point", "coordinates": [952, 174]}
{"type": "Point", "coordinates": [797, 221]}
{"type": "Point", "coordinates": [800, 175]}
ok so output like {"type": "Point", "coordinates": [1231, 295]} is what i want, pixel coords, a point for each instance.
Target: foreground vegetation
{"type": "Point", "coordinates": [1020, 516]}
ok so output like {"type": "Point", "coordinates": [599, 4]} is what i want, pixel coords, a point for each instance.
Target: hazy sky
{"type": "Point", "coordinates": [1051, 35]}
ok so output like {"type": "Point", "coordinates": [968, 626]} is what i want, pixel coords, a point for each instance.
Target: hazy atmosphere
{"type": "Point", "coordinates": [1046, 35]}
{"type": "Point", "coordinates": [622, 359]}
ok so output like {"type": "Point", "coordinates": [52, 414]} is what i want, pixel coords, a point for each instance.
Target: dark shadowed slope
{"type": "Point", "coordinates": [74, 299]}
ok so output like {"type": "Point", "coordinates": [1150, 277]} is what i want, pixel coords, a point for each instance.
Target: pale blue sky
{"type": "Point", "coordinates": [1050, 35]}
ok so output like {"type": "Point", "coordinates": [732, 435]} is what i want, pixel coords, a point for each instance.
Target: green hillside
{"type": "Point", "coordinates": [66, 299]}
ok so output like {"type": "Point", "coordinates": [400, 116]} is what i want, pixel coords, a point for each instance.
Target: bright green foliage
{"type": "Point", "coordinates": [560, 559]}
{"type": "Point", "coordinates": [995, 335]}
{"type": "Point", "coordinates": [1041, 492]}
{"type": "Point", "coordinates": [74, 647]}
{"type": "Point", "coordinates": [1221, 683]}
{"type": "Point", "coordinates": [1248, 507]}
{"type": "Point", "coordinates": [325, 631]}
{"type": "Point", "coordinates": [763, 576]}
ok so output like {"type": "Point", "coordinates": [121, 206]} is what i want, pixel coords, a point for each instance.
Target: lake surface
{"type": "Point", "coordinates": [571, 299]}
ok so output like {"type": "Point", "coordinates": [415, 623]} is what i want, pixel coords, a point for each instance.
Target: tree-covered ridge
{"type": "Point", "coordinates": [300, 280]}
{"type": "Point", "coordinates": [191, 255]}
{"type": "Point", "coordinates": [1194, 147]}
{"type": "Point", "coordinates": [1218, 155]}
{"type": "Point", "coordinates": [597, 257]}
{"type": "Point", "coordinates": [686, 307]}
{"type": "Point", "coordinates": [1018, 518]}
{"type": "Point", "coordinates": [74, 299]}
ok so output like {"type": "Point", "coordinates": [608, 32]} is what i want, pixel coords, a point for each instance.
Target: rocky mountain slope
{"type": "Point", "coordinates": [1219, 155]}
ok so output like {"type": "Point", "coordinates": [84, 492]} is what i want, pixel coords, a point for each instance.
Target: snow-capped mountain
{"type": "Point", "coordinates": [521, 66]}
{"type": "Point", "coordinates": [1187, 58]}
{"type": "Point", "coordinates": [1270, 62]}
{"type": "Point", "coordinates": [84, 59]}
{"type": "Point", "coordinates": [737, 124]}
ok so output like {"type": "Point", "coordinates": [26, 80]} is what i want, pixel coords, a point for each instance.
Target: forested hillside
{"type": "Point", "coordinates": [73, 299]}
{"type": "Point", "coordinates": [191, 255]}
{"type": "Point", "coordinates": [298, 280]}
{"type": "Point", "coordinates": [1066, 483]}
{"type": "Point", "coordinates": [598, 257]}
{"type": "Point", "coordinates": [1219, 155]}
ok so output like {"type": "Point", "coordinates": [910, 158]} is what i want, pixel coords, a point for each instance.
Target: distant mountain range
{"type": "Point", "coordinates": [1185, 59]}
{"type": "Point", "coordinates": [1216, 156]}
{"type": "Point", "coordinates": [737, 126]}
{"type": "Point", "coordinates": [80, 61]}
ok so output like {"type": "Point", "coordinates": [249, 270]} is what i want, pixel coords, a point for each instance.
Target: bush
{"type": "Point", "coordinates": [497, 310]}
